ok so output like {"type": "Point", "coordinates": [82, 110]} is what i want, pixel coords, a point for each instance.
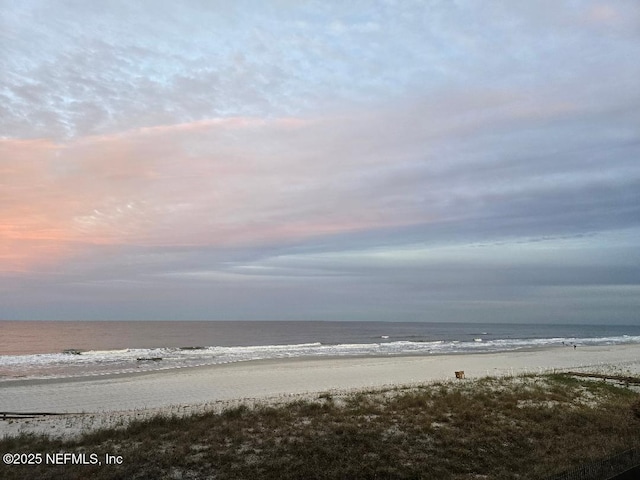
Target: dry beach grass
{"type": "Point", "coordinates": [527, 426]}
{"type": "Point", "coordinates": [379, 417]}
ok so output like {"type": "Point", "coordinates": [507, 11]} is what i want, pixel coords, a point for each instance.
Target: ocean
{"type": "Point", "coordinates": [42, 349]}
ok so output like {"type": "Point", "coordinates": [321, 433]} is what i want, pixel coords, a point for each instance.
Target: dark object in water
{"type": "Point", "coordinates": [191, 348]}
{"type": "Point", "coordinates": [150, 359]}
{"type": "Point", "coordinates": [72, 351]}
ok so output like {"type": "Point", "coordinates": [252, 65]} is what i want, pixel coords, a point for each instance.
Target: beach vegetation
{"type": "Point", "coordinates": [525, 427]}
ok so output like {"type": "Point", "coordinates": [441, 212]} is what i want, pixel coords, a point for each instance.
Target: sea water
{"type": "Point", "coordinates": [42, 349]}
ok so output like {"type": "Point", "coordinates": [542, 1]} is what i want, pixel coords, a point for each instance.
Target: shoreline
{"type": "Point", "coordinates": [113, 399]}
{"type": "Point", "coordinates": [23, 381]}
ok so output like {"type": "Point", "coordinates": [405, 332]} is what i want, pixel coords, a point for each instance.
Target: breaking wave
{"type": "Point", "coordinates": [82, 363]}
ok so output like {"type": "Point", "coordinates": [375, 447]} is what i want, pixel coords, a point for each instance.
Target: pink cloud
{"type": "Point", "coordinates": [217, 182]}
{"type": "Point", "coordinates": [237, 181]}
{"type": "Point", "coordinates": [603, 13]}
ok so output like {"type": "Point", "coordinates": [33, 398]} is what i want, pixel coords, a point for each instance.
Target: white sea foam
{"type": "Point", "coordinates": [100, 362]}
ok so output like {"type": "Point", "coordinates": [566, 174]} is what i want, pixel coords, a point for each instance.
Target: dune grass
{"type": "Point", "coordinates": [527, 427]}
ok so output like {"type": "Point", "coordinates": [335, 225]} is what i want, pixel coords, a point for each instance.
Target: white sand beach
{"type": "Point", "coordinates": [111, 400]}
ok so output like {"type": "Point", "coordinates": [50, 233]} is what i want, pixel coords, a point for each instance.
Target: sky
{"type": "Point", "coordinates": [320, 160]}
